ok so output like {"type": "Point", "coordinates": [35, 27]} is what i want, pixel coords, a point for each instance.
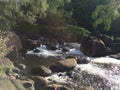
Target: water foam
{"type": "Point", "coordinates": [106, 69]}
{"type": "Point", "coordinates": [102, 73]}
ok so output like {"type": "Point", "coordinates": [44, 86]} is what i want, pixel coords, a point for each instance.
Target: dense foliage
{"type": "Point", "coordinates": [82, 10]}
{"type": "Point", "coordinates": [29, 16]}
{"type": "Point", "coordinates": [105, 14]}
{"type": "Point", "coordinates": [8, 12]}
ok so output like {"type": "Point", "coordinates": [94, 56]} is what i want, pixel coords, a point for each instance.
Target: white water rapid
{"type": "Point", "coordinates": [101, 73]}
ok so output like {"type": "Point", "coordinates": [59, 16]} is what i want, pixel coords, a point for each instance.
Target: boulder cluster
{"type": "Point", "coordinates": [22, 71]}
{"type": "Point", "coordinates": [29, 72]}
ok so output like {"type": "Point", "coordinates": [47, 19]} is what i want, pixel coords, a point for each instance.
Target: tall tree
{"type": "Point", "coordinates": [105, 14]}
{"type": "Point", "coordinates": [29, 12]}
{"type": "Point", "coordinates": [56, 13]}
{"type": "Point", "coordinates": [82, 10]}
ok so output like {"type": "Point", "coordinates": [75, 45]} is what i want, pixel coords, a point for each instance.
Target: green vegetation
{"type": "Point", "coordinates": [8, 12]}
{"type": "Point", "coordinates": [29, 16]}
{"type": "Point", "coordinates": [106, 14]}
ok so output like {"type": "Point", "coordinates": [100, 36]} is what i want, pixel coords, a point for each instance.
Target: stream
{"type": "Point", "coordinates": [101, 73]}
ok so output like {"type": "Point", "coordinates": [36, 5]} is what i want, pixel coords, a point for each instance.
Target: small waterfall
{"type": "Point", "coordinates": [102, 74]}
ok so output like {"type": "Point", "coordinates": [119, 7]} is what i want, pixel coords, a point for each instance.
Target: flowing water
{"type": "Point", "coordinates": [102, 73]}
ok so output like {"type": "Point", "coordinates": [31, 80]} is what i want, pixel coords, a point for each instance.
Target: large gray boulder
{"type": "Point", "coordinates": [92, 46]}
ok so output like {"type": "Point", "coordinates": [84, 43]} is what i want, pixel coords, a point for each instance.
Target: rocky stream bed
{"type": "Point", "coordinates": [57, 66]}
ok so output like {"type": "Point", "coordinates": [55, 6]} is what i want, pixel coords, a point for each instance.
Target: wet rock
{"type": "Point", "coordinates": [117, 56]}
{"type": "Point", "coordinates": [65, 49]}
{"type": "Point", "coordinates": [64, 65]}
{"type": "Point", "coordinates": [41, 71]}
{"type": "Point", "coordinates": [80, 59]}
{"type": "Point", "coordinates": [92, 46]}
{"type": "Point", "coordinates": [69, 73]}
{"type": "Point", "coordinates": [83, 60]}
{"type": "Point", "coordinates": [39, 82]}
{"type": "Point", "coordinates": [36, 50]}
{"type": "Point", "coordinates": [56, 87]}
